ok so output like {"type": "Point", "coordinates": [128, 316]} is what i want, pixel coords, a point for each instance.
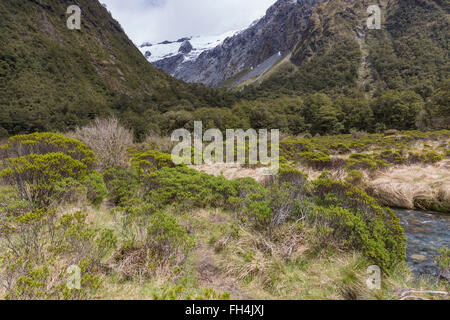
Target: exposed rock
{"type": "Point", "coordinates": [171, 64]}
{"type": "Point", "coordinates": [418, 257]}
{"type": "Point", "coordinates": [148, 54]}
{"type": "Point", "coordinates": [184, 39]}
{"type": "Point", "coordinates": [279, 30]}
{"type": "Point", "coordinates": [146, 44]}
{"type": "Point", "coordinates": [186, 47]}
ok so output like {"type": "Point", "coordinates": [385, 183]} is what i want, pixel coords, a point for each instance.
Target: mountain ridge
{"type": "Point", "coordinates": [323, 30]}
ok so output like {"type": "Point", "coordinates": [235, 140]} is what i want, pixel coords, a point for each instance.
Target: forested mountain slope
{"type": "Point", "coordinates": [53, 78]}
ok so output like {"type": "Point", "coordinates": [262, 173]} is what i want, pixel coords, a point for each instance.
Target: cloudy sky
{"type": "Point", "coordinates": [159, 20]}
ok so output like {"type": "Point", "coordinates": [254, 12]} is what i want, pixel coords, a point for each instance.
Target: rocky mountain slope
{"type": "Point", "coordinates": [330, 42]}
{"type": "Point", "coordinates": [279, 30]}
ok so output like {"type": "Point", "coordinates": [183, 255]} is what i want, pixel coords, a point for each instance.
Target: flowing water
{"type": "Point", "coordinates": [426, 233]}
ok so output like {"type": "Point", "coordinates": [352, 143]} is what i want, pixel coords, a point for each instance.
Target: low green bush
{"type": "Point", "coordinates": [167, 237]}
{"type": "Point", "coordinates": [43, 143]}
{"type": "Point", "coordinates": [355, 220]}
{"type": "Point", "coordinates": [316, 160]}
{"type": "Point", "coordinates": [188, 188]}
{"type": "Point", "coordinates": [96, 188]}
{"type": "Point", "coordinates": [392, 157]}
{"type": "Point", "coordinates": [37, 176]}
{"type": "Point", "coordinates": [355, 177]}
{"type": "Point", "coordinates": [443, 260]}
{"type": "Point", "coordinates": [37, 248]}
{"type": "Point", "coordinates": [121, 184]}
{"type": "Point", "coordinates": [290, 148]}
{"type": "Point", "coordinates": [150, 161]}
{"type": "Point", "coordinates": [426, 156]}
{"type": "Point", "coordinates": [363, 161]}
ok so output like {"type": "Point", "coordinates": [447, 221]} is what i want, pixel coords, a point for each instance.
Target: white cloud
{"type": "Point", "coordinates": [158, 20]}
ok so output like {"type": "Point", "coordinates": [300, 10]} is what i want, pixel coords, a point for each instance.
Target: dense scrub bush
{"type": "Point", "coordinates": [284, 199]}
{"type": "Point", "coordinates": [11, 203]}
{"type": "Point", "coordinates": [291, 148]}
{"type": "Point", "coordinates": [355, 177]}
{"type": "Point", "coordinates": [153, 245]}
{"type": "Point", "coordinates": [291, 175]}
{"type": "Point", "coordinates": [151, 160]}
{"type": "Point", "coordinates": [188, 188]}
{"type": "Point", "coordinates": [43, 143]}
{"type": "Point", "coordinates": [393, 157]}
{"type": "Point", "coordinates": [96, 188]}
{"type": "Point", "coordinates": [443, 261]}
{"type": "Point", "coordinates": [426, 156]}
{"type": "Point", "coordinates": [355, 220]}
{"type": "Point", "coordinates": [362, 161]}
{"type": "Point", "coordinates": [121, 184]}
{"type": "Point", "coordinates": [38, 176]}
{"type": "Point", "coordinates": [316, 160]}
{"type": "Point", "coordinates": [37, 249]}
{"type": "Point", "coordinates": [108, 139]}
{"type": "Point", "coordinates": [167, 237]}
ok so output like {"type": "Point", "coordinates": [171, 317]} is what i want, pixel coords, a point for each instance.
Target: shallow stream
{"type": "Point", "coordinates": [426, 233]}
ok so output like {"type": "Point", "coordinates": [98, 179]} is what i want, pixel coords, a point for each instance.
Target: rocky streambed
{"type": "Point", "coordinates": [426, 233]}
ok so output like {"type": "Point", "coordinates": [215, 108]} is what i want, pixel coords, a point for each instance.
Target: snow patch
{"type": "Point", "coordinates": [199, 44]}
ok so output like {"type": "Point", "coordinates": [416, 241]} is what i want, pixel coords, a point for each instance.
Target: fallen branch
{"type": "Point", "coordinates": [409, 292]}
{"type": "Point", "coordinates": [414, 297]}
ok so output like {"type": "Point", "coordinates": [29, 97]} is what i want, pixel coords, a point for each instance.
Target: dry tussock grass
{"type": "Point", "coordinates": [399, 186]}
{"type": "Point", "coordinates": [256, 255]}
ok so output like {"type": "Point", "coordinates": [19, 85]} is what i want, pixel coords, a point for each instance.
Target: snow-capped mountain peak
{"type": "Point", "coordinates": [168, 49]}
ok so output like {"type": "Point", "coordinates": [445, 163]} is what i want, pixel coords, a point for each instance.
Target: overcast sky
{"type": "Point", "coordinates": [159, 20]}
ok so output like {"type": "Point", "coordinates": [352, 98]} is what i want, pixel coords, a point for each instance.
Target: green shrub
{"type": "Point", "coordinates": [43, 143]}
{"type": "Point", "coordinates": [290, 148]}
{"type": "Point", "coordinates": [121, 184]}
{"type": "Point", "coordinates": [316, 160]}
{"type": "Point", "coordinates": [355, 177]}
{"type": "Point", "coordinates": [188, 188]}
{"type": "Point", "coordinates": [37, 248]}
{"type": "Point", "coordinates": [37, 176]}
{"type": "Point", "coordinates": [167, 237]}
{"type": "Point", "coordinates": [363, 161]}
{"type": "Point", "coordinates": [357, 221]}
{"type": "Point", "coordinates": [340, 148]}
{"type": "Point", "coordinates": [425, 156]}
{"type": "Point", "coordinates": [96, 188]}
{"type": "Point", "coordinates": [150, 161]}
{"type": "Point", "coordinates": [443, 260]}
{"type": "Point", "coordinates": [259, 213]}
{"type": "Point", "coordinates": [11, 203]}
{"type": "Point", "coordinates": [393, 157]}
{"type": "Point", "coordinates": [291, 175]}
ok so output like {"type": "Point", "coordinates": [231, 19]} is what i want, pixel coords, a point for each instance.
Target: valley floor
{"type": "Point", "coordinates": [145, 228]}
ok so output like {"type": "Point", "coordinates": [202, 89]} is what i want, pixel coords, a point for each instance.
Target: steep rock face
{"type": "Point", "coordinates": [279, 30]}
{"type": "Point", "coordinates": [186, 47]}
